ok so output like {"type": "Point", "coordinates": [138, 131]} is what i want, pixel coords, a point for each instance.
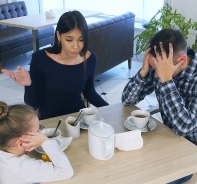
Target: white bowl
{"type": "Point", "coordinates": [50, 131]}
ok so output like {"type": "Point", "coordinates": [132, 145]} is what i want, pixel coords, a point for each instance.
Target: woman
{"type": "Point", "coordinates": [59, 74]}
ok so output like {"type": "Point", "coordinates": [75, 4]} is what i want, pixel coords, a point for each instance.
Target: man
{"type": "Point", "coordinates": [167, 70]}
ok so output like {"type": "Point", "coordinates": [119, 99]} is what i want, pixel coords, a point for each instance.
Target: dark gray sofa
{"type": "Point", "coordinates": [112, 41]}
{"type": "Point", "coordinates": [15, 41]}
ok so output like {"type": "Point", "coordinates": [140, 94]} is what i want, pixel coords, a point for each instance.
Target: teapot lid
{"type": "Point", "coordinates": [101, 129]}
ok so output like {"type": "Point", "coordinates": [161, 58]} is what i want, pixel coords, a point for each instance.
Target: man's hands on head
{"type": "Point", "coordinates": [146, 66]}
{"type": "Point", "coordinates": [164, 66]}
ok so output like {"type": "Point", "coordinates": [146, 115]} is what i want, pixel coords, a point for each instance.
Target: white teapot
{"type": "Point", "coordinates": [101, 140]}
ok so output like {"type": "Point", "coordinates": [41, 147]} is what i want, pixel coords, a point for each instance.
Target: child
{"type": "Point", "coordinates": [19, 132]}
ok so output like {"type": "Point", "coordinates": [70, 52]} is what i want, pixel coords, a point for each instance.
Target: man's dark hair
{"type": "Point", "coordinates": [167, 36]}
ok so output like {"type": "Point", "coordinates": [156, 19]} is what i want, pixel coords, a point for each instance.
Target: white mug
{"type": "Point", "coordinates": [101, 140]}
{"type": "Point", "coordinates": [139, 118]}
{"type": "Point", "coordinates": [90, 115]}
{"type": "Point", "coordinates": [72, 131]}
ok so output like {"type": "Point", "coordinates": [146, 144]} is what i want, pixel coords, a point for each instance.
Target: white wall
{"type": "Point", "coordinates": [52, 4]}
{"type": "Point", "coordinates": [188, 9]}
{"type": "Point", "coordinates": [143, 9]}
{"type": "Point", "coordinates": [32, 6]}
{"type": "Point", "coordinates": [7, 1]}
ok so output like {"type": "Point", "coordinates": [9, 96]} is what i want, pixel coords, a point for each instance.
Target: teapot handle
{"type": "Point", "coordinates": [108, 147]}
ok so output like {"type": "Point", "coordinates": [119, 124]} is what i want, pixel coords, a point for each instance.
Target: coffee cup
{"type": "Point", "coordinates": [90, 115]}
{"type": "Point", "coordinates": [49, 133]}
{"type": "Point", "coordinates": [70, 129]}
{"type": "Point", "coordinates": [139, 118]}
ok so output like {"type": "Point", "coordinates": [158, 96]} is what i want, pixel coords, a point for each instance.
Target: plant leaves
{"type": "Point", "coordinates": [166, 17]}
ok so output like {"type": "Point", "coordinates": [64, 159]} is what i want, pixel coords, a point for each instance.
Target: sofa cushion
{"type": "Point", "coordinates": [15, 41]}
{"type": "Point", "coordinates": [15, 37]}
{"type": "Point", "coordinates": [12, 10]}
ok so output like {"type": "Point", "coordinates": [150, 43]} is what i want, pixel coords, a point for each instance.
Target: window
{"type": "Point", "coordinates": [51, 4]}
{"type": "Point", "coordinates": [143, 9]}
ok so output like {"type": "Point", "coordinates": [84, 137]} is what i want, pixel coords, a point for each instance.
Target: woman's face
{"type": "Point", "coordinates": [72, 42]}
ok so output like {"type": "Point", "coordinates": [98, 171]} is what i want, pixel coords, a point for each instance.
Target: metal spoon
{"type": "Point", "coordinates": [59, 122]}
{"type": "Point", "coordinates": [81, 114]}
{"type": "Point", "coordinates": [148, 126]}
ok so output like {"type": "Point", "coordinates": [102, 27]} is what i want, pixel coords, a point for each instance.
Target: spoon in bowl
{"type": "Point", "coordinates": [58, 124]}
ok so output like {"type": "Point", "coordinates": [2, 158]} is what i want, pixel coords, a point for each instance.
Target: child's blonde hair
{"type": "Point", "coordinates": [14, 122]}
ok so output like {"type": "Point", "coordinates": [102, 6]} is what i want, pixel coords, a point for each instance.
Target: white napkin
{"type": "Point", "coordinates": [128, 141]}
{"type": "Point", "coordinates": [50, 14]}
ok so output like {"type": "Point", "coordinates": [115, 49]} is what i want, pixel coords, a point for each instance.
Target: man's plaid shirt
{"type": "Point", "coordinates": [177, 99]}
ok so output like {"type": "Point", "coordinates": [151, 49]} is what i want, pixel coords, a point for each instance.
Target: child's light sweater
{"type": "Point", "coordinates": [25, 170]}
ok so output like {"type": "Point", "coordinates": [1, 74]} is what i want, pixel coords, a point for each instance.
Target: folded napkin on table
{"type": "Point", "coordinates": [128, 141]}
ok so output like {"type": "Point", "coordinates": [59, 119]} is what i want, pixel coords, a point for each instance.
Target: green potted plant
{"type": "Point", "coordinates": [166, 17]}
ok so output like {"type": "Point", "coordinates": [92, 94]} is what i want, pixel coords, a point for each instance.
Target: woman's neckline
{"type": "Point", "coordinates": [55, 59]}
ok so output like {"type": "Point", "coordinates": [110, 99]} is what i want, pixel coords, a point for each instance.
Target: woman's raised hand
{"type": "Point", "coordinates": [21, 77]}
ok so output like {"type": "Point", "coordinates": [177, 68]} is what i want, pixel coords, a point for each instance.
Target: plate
{"type": "Point", "coordinates": [62, 141]}
{"type": "Point", "coordinates": [151, 126]}
{"type": "Point", "coordinates": [85, 126]}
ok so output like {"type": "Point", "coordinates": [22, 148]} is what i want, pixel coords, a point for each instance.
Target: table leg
{"type": "Point", "coordinates": [35, 40]}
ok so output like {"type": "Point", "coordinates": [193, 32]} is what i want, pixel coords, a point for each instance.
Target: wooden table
{"type": "Point", "coordinates": [164, 157]}
{"type": "Point", "coordinates": [37, 21]}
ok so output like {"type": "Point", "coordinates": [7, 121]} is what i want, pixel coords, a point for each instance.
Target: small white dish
{"type": "Point", "coordinates": [151, 126]}
{"type": "Point", "coordinates": [85, 126]}
{"type": "Point", "coordinates": [63, 143]}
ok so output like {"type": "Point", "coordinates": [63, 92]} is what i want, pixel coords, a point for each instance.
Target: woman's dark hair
{"type": "Point", "coordinates": [67, 22]}
{"type": "Point", "coordinates": [14, 122]}
{"type": "Point", "coordinates": [167, 36]}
